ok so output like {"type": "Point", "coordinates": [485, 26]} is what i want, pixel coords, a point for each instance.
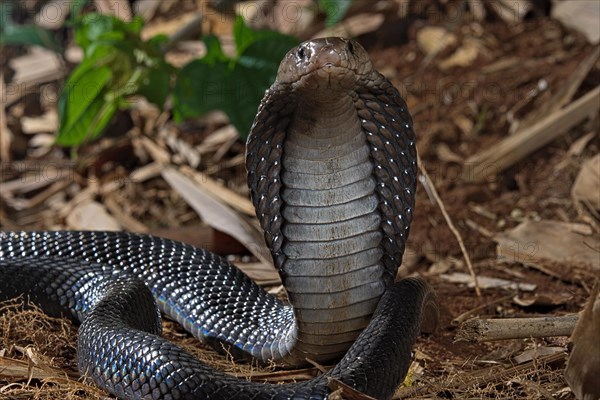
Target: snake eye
{"type": "Point", "coordinates": [351, 47]}
{"type": "Point", "coordinates": [301, 52]}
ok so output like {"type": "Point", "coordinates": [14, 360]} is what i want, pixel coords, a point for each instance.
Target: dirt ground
{"type": "Point", "coordinates": [515, 68]}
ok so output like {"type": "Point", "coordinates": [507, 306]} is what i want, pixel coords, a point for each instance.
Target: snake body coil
{"type": "Point", "coordinates": [332, 171]}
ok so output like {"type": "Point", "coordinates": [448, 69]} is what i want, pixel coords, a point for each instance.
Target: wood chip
{"type": "Point", "coordinates": [125, 220]}
{"type": "Point", "coordinates": [53, 14]}
{"type": "Point", "coordinates": [146, 8]}
{"type": "Point", "coordinates": [158, 154]}
{"type": "Point", "coordinates": [41, 144]}
{"type": "Point", "coordinates": [511, 11]}
{"type": "Point", "coordinates": [433, 39]}
{"type": "Point", "coordinates": [46, 123]}
{"type": "Point", "coordinates": [354, 26]}
{"type": "Point", "coordinates": [464, 56]}
{"type": "Point", "coordinates": [168, 27]}
{"type": "Point", "coordinates": [118, 8]}
{"type": "Point", "coordinates": [217, 138]}
{"type": "Point", "coordinates": [91, 216]}
{"type": "Point", "coordinates": [6, 136]}
{"type": "Point", "coordinates": [31, 70]}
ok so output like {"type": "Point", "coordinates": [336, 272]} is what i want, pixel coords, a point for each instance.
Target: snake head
{"type": "Point", "coordinates": [330, 64]}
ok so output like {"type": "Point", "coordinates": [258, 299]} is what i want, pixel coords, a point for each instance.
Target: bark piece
{"type": "Point", "coordinates": [583, 368]}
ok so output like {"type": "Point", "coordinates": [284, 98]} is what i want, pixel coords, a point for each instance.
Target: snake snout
{"type": "Point", "coordinates": [327, 58]}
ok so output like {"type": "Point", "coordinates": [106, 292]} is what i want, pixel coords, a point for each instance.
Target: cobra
{"type": "Point", "coordinates": [331, 166]}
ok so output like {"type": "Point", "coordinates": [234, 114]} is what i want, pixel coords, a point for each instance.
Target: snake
{"type": "Point", "coordinates": [331, 167]}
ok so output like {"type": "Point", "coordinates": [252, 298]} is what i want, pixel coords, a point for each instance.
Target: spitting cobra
{"type": "Point", "coordinates": [331, 166]}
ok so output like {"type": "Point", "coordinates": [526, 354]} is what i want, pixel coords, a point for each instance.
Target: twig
{"type": "Point", "coordinates": [482, 330]}
{"type": "Point", "coordinates": [345, 391]}
{"type": "Point", "coordinates": [484, 377]}
{"type": "Point", "coordinates": [511, 150]}
{"type": "Point", "coordinates": [466, 315]}
{"type": "Point", "coordinates": [430, 187]}
{"type": "Point", "coordinates": [566, 92]}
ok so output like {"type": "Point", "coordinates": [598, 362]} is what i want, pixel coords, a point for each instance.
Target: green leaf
{"type": "Point", "coordinates": [234, 86]}
{"type": "Point", "coordinates": [245, 36]}
{"type": "Point", "coordinates": [334, 10]}
{"type": "Point", "coordinates": [266, 54]}
{"type": "Point", "coordinates": [155, 85]}
{"type": "Point", "coordinates": [28, 35]}
{"type": "Point", "coordinates": [82, 105]}
{"type": "Point", "coordinates": [118, 64]}
{"type": "Point", "coordinates": [200, 87]}
{"type": "Point", "coordinates": [93, 29]}
{"type": "Point", "coordinates": [214, 53]}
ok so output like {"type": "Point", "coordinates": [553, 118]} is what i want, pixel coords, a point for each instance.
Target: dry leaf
{"type": "Point", "coordinates": [553, 241]}
{"type": "Point", "coordinates": [580, 15]}
{"type": "Point", "coordinates": [534, 354]}
{"type": "Point", "coordinates": [587, 185]}
{"type": "Point", "coordinates": [263, 274]}
{"type": "Point", "coordinates": [543, 300]}
{"type": "Point", "coordinates": [217, 215]}
{"type": "Point", "coordinates": [231, 198]}
{"type": "Point", "coordinates": [488, 282]}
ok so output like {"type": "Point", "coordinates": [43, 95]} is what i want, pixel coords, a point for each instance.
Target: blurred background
{"type": "Point", "coordinates": [133, 115]}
